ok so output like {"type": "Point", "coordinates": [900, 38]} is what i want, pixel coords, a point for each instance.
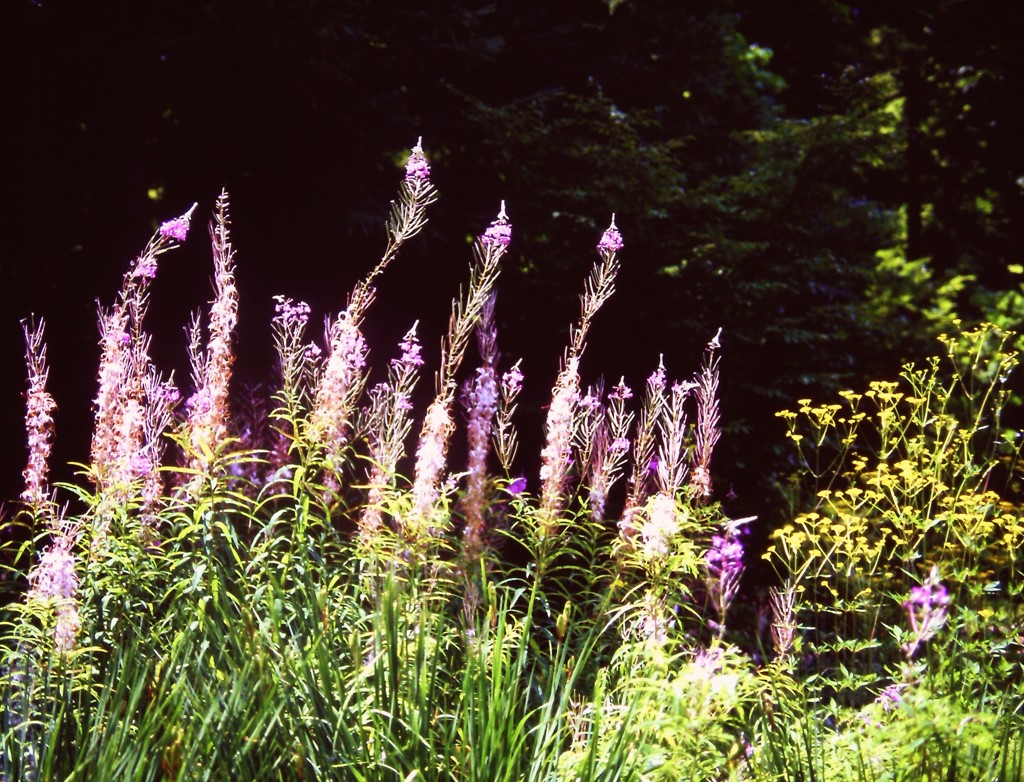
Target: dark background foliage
{"type": "Point", "coordinates": [759, 158]}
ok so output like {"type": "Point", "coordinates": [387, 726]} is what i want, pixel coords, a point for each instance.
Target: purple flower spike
{"type": "Point", "coordinates": [417, 167]}
{"type": "Point", "coordinates": [724, 562]}
{"type": "Point", "coordinates": [725, 557]}
{"type": "Point", "coordinates": [499, 232]}
{"type": "Point", "coordinates": [611, 239]}
{"type": "Point", "coordinates": [178, 227]}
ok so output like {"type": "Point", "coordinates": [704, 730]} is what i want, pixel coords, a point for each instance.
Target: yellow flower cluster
{"type": "Point", "coordinates": [895, 479]}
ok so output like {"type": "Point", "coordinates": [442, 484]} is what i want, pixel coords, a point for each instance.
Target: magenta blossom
{"type": "Point", "coordinates": [512, 382]}
{"type": "Point", "coordinates": [178, 227]}
{"type": "Point", "coordinates": [725, 557]}
{"type": "Point", "coordinates": [621, 391]}
{"type": "Point", "coordinates": [658, 379]}
{"type": "Point", "coordinates": [499, 232]}
{"type": "Point", "coordinates": [927, 608]}
{"type": "Point", "coordinates": [891, 696]}
{"type": "Point", "coordinates": [619, 445]}
{"type": "Point", "coordinates": [171, 395]}
{"type": "Point", "coordinates": [146, 268]}
{"type": "Point", "coordinates": [417, 167]}
{"type": "Point", "coordinates": [291, 313]}
{"type": "Point", "coordinates": [412, 351]}
{"type": "Point", "coordinates": [611, 239]}
{"type": "Point", "coordinates": [724, 562]}
{"type": "Point", "coordinates": [518, 486]}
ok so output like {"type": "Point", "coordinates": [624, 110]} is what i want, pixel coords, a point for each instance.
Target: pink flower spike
{"type": "Point", "coordinates": [611, 239]}
{"type": "Point", "coordinates": [417, 167]}
{"type": "Point", "coordinates": [178, 227]}
{"type": "Point", "coordinates": [499, 232]}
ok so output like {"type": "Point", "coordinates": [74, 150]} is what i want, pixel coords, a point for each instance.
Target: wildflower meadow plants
{"type": "Point", "coordinates": [902, 601]}
{"type": "Point", "coordinates": [304, 586]}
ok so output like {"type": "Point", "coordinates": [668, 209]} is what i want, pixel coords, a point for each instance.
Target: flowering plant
{"type": "Point", "coordinates": [296, 584]}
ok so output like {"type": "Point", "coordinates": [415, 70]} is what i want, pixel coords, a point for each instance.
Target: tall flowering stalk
{"type": "Point", "coordinates": [672, 468]}
{"type": "Point", "coordinates": [39, 407]}
{"type": "Point", "coordinates": [669, 468]}
{"type": "Point", "coordinates": [783, 607]}
{"type": "Point", "coordinates": [610, 447]}
{"type": "Point", "coordinates": [53, 579]}
{"type": "Point", "coordinates": [927, 609]}
{"type": "Point", "coordinates": [708, 419]}
{"type": "Point", "coordinates": [343, 378]}
{"type": "Point", "coordinates": [341, 381]}
{"type": "Point", "coordinates": [296, 365]}
{"type": "Point", "coordinates": [431, 453]}
{"type": "Point", "coordinates": [589, 425]}
{"type": "Point", "coordinates": [644, 444]}
{"type": "Point", "coordinates": [54, 582]}
{"type": "Point", "coordinates": [660, 450]}
{"type": "Point", "coordinates": [208, 423]}
{"type": "Point", "coordinates": [480, 399]}
{"type": "Point", "coordinates": [556, 457]}
{"type": "Point", "coordinates": [162, 399]}
{"type": "Point", "coordinates": [506, 438]}
{"type": "Point", "coordinates": [660, 525]}
{"type": "Point", "coordinates": [724, 561]}
{"type": "Point", "coordinates": [119, 433]}
{"type": "Point", "coordinates": [388, 427]}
